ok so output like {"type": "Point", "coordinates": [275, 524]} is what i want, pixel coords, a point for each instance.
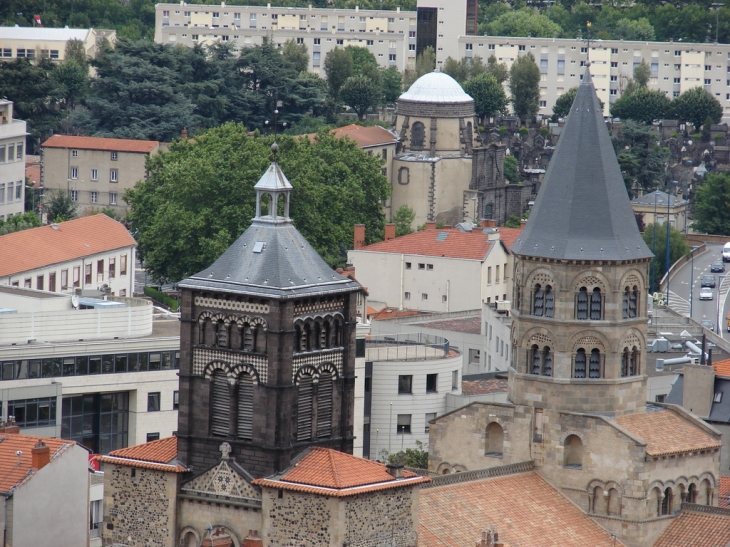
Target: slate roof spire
{"type": "Point", "coordinates": [272, 187]}
{"type": "Point", "coordinates": [582, 211]}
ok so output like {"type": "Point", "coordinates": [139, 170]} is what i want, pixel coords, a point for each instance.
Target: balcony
{"type": "Point", "coordinates": [406, 347]}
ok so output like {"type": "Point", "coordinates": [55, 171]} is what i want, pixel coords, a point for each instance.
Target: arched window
{"type": "Point", "coordinates": [245, 406]}
{"type": "Point", "coordinates": [579, 370]}
{"type": "Point", "coordinates": [634, 362]}
{"type": "Point", "coordinates": [236, 340]}
{"type": "Point", "coordinates": [304, 407]}
{"type": "Point", "coordinates": [599, 501]}
{"type": "Point", "coordinates": [495, 440]}
{"type": "Point", "coordinates": [247, 337]}
{"type": "Point", "coordinates": [573, 452]}
{"type": "Point", "coordinates": [581, 310]}
{"type": "Point", "coordinates": [189, 540]}
{"type": "Point", "coordinates": [547, 356]}
{"type": "Point", "coordinates": [549, 302]}
{"type": "Point", "coordinates": [614, 503]}
{"type": "Point", "coordinates": [538, 306]}
{"type": "Point", "coordinates": [596, 305]}
{"type": "Point", "coordinates": [634, 302]}
{"type": "Point", "coordinates": [625, 358]}
{"type": "Point", "coordinates": [667, 502]}
{"type": "Point", "coordinates": [488, 211]}
{"type": "Point", "coordinates": [625, 304]}
{"type": "Point", "coordinates": [307, 339]}
{"type": "Point", "coordinates": [209, 332]}
{"type": "Point", "coordinates": [337, 341]}
{"type": "Point", "coordinates": [594, 365]}
{"type": "Point", "coordinates": [317, 338]}
{"type": "Point", "coordinates": [324, 405]}
{"type": "Point", "coordinates": [655, 499]}
{"type": "Point", "coordinates": [404, 175]}
{"type": "Point", "coordinates": [536, 360]}
{"type": "Point", "coordinates": [220, 404]}
{"type": "Point", "coordinates": [469, 136]}
{"type": "Point", "coordinates": [297, 339]}
{"type": "Point", "coordinates": [327, 333]}
{"type": "Point", "coordinates": [418, 135]}
{"type": "Point", "coordinates": [704, 495]}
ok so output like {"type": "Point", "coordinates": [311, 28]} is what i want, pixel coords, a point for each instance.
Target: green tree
{"type": "Point", "coordinates": [489, 97]}
{"type": "Point", "coordinates": [642, 74]}
{"type": "Point", "coordinates": [524, 22]}
{"type": "Point", "coordinates": [563, 104]}
{"type": "Point", "coordinates": [643, 163]}
{"type": "Point", "coordinates": [17, 223]}
{"type": "Point", "coordinates": [403, 220]}
{"type": "Point", "coordinates": [295, 55]}
{"type": "Point", "coordinates": [361, 58]}
{"type": "Point", "coordinates": [425, 63]}
{"type": "Point", "coordinates": [511, 171]}
{"type": "Point", "coordinates": [392, 84]}
{"type": "Point", "coordinates": [60, 206]}
{"type": "Point", "coordinates": [497, 69]}
{"type": "Point", "coordinates": [677, 248]}
{"type": "Point", "coordinates": [360, 93]}
{"type": "Point", "coordinates": [524, 84]}
{"type": "Point", "coordinates": [695, 105]}
{"type": "Point", "coordinates": [638, 29]}
{"type": "Point", "coordinates": [643, 105]}
{"type": "Point", "coordinates": [712, 214]}
{"type": "Point", "coordinates": [71, 83]}
{"type": "Point", "coordinates": [458, 70]}
{"type": "Point", "coordinates": [513, 222]}
{"type": "Point", "coordinates": [338, 66]}
{"type": "Point", "coordinates": [416, 458]}
{"type": "Point", "coordinates": [199, 196]}
{"type": "Point", "coordinates": [76, 50]}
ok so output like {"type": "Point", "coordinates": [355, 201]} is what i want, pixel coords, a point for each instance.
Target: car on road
{"type": "Point", "coordinates": [726, 252]}
{"type": "Point", "coordinates": [706, 293]}
{"type": "Point", "coordinates": [707, 281]}
{"type": "Point", "coordinates": [708, 324]}
{"type": "Point", "coordinates": [717, 266]}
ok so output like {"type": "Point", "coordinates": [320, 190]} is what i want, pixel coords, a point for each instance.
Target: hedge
{"type": "Point", "coordinates": [162, 298]}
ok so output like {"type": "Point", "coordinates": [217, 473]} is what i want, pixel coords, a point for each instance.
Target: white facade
{"type": "Point", "coordinates": [389, 35]}
{"type": "Point", "coordinates": [675, 66]}
{"type": "Point", "coordinates": [33, 42]}
{"type": "Point", "coordinates": [12, 162]}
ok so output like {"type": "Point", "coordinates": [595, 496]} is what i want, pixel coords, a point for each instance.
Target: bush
{"type": "Point", "coordinates": [162, 298]}
{"type": "Point", "coordinates": [502, 130]}
{"type": "Point", "coordinates": [544, 131]}
{"type": "Point", "coordinates": [523, 131]}
{"type": "Point", "coordinates": [674, 135]}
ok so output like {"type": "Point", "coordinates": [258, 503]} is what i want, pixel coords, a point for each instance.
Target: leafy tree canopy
{"type": "Point", "coordinates": [403, 220]}
{"type": "Point", "coordinates": [695, 105]}
{"type": "Point", "coordinates": [489, 97]}
{"type": "Point", "coordinates": [712, 215]}
{"type": "Point", "coordinates": [677, 248]}
{"type": "Point", "coordinates": [17, 223]}
{"type": "Point", "coordinates": [339, 66]}
{"type": "Point", "coordinates": [59, 206]}
{"type": "Point", "coordinates": [360, 93]}
{"type": "Point", "coordinates": [525, 22]}
{"type": "Point", "coordinates": [511, 171]}
{"type": "Point", "coordinates": [524, 84]}
{"type": "Point", "coordinates": [643, 105]}
{"type": "Point", "coordinates": [643, 163]}
{"type": "Point", "coordinates": [199, 196]}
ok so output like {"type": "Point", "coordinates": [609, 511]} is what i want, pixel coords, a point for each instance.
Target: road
{"type": "Point", "coordinates": [679, 289]}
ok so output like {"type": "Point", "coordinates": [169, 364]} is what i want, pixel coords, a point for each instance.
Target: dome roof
{"type": "Point", "coordinates": [436, 87]}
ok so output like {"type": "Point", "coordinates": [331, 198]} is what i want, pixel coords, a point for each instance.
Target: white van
{"type": "Point", "coordinates": [726, 253]}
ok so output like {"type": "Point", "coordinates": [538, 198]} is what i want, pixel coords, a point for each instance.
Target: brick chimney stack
{"type": "Point", "coordinates": [40, 455]}
{"type": "Point", "coordinates": [389, 232]}
{"type": "Point", "coordinates": [523, 222]}
{"type": "Point", "coordinates": [430, 226]}
{"type": "Point", "coordinates": [395, 470]}
{"type": "Point", "coordinates": [489, 223]}
{"type": "Point", "coordinates": [252, 540]}
{"type": "Point", "coordinates": [359, 236]}
{"type": "Point", "coordinates": [10, 427]}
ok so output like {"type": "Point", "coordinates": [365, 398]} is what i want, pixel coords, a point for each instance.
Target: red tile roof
{"type": "Point", "coordinates": [471, 325]}
{"type": "Point", "coordinates": [33, 170]}
{"type": "Point", "coordinates": [364, 137]}
{"type": "Point", "coordinates": [483, 387]}
{"type": "Point", "coordinates": [666, 432]}
{"type": "Point", "coordinates": [455, 244]}
{"type": "Point", "coordinates": [14, 469]}
{"type": "Point", "coordinates": [159, 455]}
{"type": "Point", "coordinates": [509, 235]}
{"type": "Point", "coordinates": [391, 313]}
{"type": "Point", "coordinates": [524, 509]}
{"type": "Point", "coordinates": [333, 473]}
{"type": "Point", "coordinates": [70, 240]}
{"type": "Point", "coordinates": [724, 492]}
{"type": "Point", "coordinates": [722, 368]}
{"type": "Point", "coordinates": [98, 143]}
{"type": "Point", "coordinates": [691, 529]}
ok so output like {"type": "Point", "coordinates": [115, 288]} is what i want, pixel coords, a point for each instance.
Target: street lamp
{"type": "Point", "coordinates": [653, 248]}
{"type": "Point", "coordinates": [691, 277]}
{"type": "Point", "coordinates": [717, 6]}
{"type": "Point", "coordinates": [669, 195]}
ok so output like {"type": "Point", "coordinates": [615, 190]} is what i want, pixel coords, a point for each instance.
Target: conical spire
{"type": "Point", "coordinates": [582, 211]}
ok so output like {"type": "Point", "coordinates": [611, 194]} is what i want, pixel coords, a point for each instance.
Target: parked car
{"type": "Point", "coordinates": [706, 293]}
{"type": "Point", "coordinates": [726, 253]}
{"type": "Point", "coordinates": [708, 324]}
{"type": "Point", "coordinates": [717, 266]}
{"type": "Point", "coordinates": [707, 281]}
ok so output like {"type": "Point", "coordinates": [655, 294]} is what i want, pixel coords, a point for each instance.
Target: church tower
{"type": "Point", "coordinates": [267, 346]}
{"type": "Point", "coordinates": [581, 278]}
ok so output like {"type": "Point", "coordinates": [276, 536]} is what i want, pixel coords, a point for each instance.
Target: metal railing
{"type": "Point", "coordinates": [415, 346]}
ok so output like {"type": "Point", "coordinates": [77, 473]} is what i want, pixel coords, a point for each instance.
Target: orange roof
{"type": "Point", "coordinates": [364, 137]}
{"type": "Point", "coordinates": [454, 244]}
{"type": "Point", "coordinates": [524, 509]}
{"type": "Point", "coordinates": [14, 469]}
{"type": "Point", "coordinates": [98, 143]}
{"type": "Point", "coordinates": [334, 473]}
{"type": "Point", "coordinates": [691, 529]}
{"type": "Point", "coordinates": [391, 313]}
{"type": "Point", "coordinates": [722, 368]}
{"type": "Point", "coordinates": [724, 492]}
{"type": "Point", "coordinates": [69, 240]}
{"type": "Point", "coordinates": [509, 235]}
{"type": "Point", "coordinates": [160, 455]}
{"type": "Point", "coordinates": [372, 311]}
{"type": "Point", "coordinates": [33, 170]}
{"type": "Point", "coordinates": [666, 432]}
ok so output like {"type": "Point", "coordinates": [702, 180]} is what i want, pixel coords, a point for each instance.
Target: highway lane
{"type": "Point", "coordinates": [686, 279]}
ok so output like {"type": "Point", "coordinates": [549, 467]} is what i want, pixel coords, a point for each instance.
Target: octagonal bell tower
{"type": "Point", "coordinates": [581, 278]}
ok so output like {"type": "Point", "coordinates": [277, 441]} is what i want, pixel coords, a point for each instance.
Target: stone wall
{"type": "Point", "coordinates": [199, 514]}
{"type": "Point", "coordinates": [139, 503]}
{"type": "Point", "coordinates": [381, 518]}
{"type": "Point", "coordinates": [295, 518]}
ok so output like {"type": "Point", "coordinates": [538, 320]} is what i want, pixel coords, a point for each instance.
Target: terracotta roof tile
{"type": "Point", "coordinates": [390, 313]}
{"type": "Point", "coordinates": [524, 508]}
{"type": "Point", "coordinates": [160, 455]}
{"type": "Point", "coordinates": [73, 239]}
{"type": "Point", "coordinates": [334, 473]}
{"type": "Point", "coordinates": [471, 325]}
{"type": "Point", "coordinates": [364, 137]}
{"type": "Point", "coordinates": [16, 470]}
{"type": "Point", "coordinates": [690, 529]}
{"type": "Point", "coordinates": [722, 368]}
{"type": "Point", "coordinates": [454, 244]}
{"type": "Point", "coordinates": [99, 143]}
{"type": "Point", "coordinates": [483, 387]}
{"type": "Point", "coordinates": [666, 432]}
{"type": "Point", "coordinates": [33, 170]}
{"type": "Point", "coordinates": [724, 492]}
{"type": "Point", "coordinates": [509, 235]}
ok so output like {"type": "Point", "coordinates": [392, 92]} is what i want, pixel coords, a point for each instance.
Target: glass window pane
{"type": "Point", "coordinates": [155, 361]}
{"type": "Point", "coordinates": [47, 368]}
{"type": "Point", "coordinates": [35, 368]}
{"type": "Point", "coordinates": [107, 364]}
{"type": "Point", "coordinates": [21, 370]}
{"type": "Point", "coordinates": [166, 360]}
{"type": "Point", "coordinates": [94, 365]}
{"type": "Point", "coordinates": [143, 362]}
{"type": "Point", "coordinates": [31, 413]}
{"type": "Point", "coordinates": [133, 362]}
{"type": "Point", "coordinates": [82, 366]}
{"type": "Point", "coordinates": [69, 364]}
{"type": "Point", "coordinates": [120, 363]}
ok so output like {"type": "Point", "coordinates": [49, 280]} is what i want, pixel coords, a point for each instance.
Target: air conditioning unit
{"type": "Point", "coordinates": [504, 305]}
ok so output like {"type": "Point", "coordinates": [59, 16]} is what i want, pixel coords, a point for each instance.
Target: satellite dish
{"type": "Point", "coordinates": [75, 301]}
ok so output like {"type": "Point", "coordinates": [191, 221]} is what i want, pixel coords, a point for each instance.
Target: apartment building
{"type": "Point", "coordinates": [89, 253]}
{"type": "Point", "coordinates": [440, 22]}
{"type": "Point", "coordinates": [12, 162]}
{"type": "Point", "coordinates": [33, 42]}
{"type": "Point", "coordinates": [101, 372]}
{"type": "Point", "coordinates": [95, 171]}
{"type": "Point", "coordinates": [389, 35]}
{"type": "Point", "coordinates": [675, 66]}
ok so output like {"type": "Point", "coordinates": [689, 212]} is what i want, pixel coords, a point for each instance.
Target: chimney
{"type": "Point", "coordinates": [430, 226]}
{"type": "Point", "coordinates": [359, 236]}
{"type": "Point", "coordinates": [698, 389]}
{"type": "Point", "coordinates": [252, 540]}
{"type": "Point", "coordinates": [10, 427]}
{"type": "Point", "coordinates": [489, 223]}
{"type": "Point", "coordinates": [497, 543]}
{"type": "Point", "coordinates": [395, 470]}
{"type": "Point", "coordinates": [184, 134]}
{"type": "Point", "coordinates": [40, 455]}
{"type": "Point", "coordinates": [523, 222]}
{"type": "Point", "coordinates": [389, 232]}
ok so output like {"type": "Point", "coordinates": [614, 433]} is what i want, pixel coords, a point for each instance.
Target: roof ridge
{"type": "Point", "coordinates": [335, 474]}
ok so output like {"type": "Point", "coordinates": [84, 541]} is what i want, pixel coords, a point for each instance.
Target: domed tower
{"type": "Point", "coordinates": [435, 121]}
{"type": "Point", "coordinates": [581, 278]}
{"type": "Point", "coordinates": [267, 346]}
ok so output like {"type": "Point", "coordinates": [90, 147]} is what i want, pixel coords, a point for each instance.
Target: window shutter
{"type": "Point", "coordinates": [245, 407]}
{"type": "Point", "coordinates": [304, 411]}
{"type": "Point", "coordinates": [626, 313]}
{"type": "Point", "coordinates": [324, 406]}
{"type": "Point", "coordinates": [538, 306]}
{"type": "Point", "coordinates": [633, 301]}
{"type": "Point", "coordinates": [549, 302]}
{"type": "Point", "coordinates": [596, 305]}
{"type": "Point", "coordinates": [220, 404]}
{"type": "Point", "coordinates": [594, 365]}
{"type": "Point", "coordinates": [582, 304]}
{"type": "Point", "coordinates": [580, 364]}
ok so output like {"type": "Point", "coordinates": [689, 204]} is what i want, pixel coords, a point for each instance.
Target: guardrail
{"type": "Point", "coordinates": [416, 346]}
{"type": "Point", "coordinates": [679, 263]}
{"type": "Point", "coordinates": [478, 474]}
